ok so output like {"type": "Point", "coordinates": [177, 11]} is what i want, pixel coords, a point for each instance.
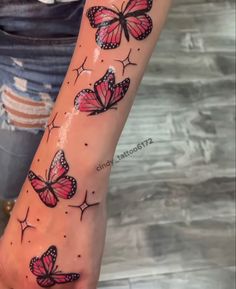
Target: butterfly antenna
{"type": "Point", "coordinates": [46, 175]}
{"type": "Point", "coordinates": [116, 8]}
{"type": "Point", "coordinates": [55, 270]}
{"type": "Point", "coordinates": [41, 178]}
{"type": "Point", "coordinates": [122, 6]}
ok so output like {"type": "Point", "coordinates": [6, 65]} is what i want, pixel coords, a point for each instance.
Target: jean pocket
{"type": "Point", "coordinates": [7, 38]}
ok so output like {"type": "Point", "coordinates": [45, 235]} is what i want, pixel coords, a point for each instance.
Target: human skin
{"type": "Point", "coordinates": [84, 141]}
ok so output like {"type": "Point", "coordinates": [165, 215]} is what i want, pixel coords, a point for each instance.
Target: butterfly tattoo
{"type": "Point", "coordinates": [46, 271]}
{"type": "Point", "coordinates": [57, 183]}
{"type": "Point", "coordinates": [105, 96]}
{"type": "Point", "coordinates": [132, 20]}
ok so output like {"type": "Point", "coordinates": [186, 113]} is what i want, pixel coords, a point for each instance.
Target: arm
{"type": "Point", "coordinates": [60, 215]}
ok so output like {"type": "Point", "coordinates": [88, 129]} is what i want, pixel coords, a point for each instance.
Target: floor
{"type": "Point", "coordinates": [171, 204]}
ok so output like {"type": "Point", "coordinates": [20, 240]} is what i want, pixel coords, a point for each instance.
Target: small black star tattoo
{"type": "Point", "coordinates": [25, 225]}
{"type": "Point", "coordinates": [51, 126]}
{"type": "Point", "coordinates": [126, 62]}
{"type": "Point", "coordinates": [84, 206]}
{"type": "Point", "coordinates": [81, 69]}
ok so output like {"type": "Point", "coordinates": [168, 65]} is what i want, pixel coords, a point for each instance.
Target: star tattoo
{"type": "Point", "coordinates": [51, 126]}
{"type": "Point", "coordinates": [24, 224]}
{"type": "Point", "coordinates": [81, 69]}
{"type": "Point", "coordinates": [126, 62]}
{"type": "Point", "coordinates": [85, 205]}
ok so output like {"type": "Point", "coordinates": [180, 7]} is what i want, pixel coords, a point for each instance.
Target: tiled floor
{"type": "Point", "coordinates": [171, 205]}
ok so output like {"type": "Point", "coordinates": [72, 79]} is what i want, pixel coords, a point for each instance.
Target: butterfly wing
{"type": "Point", "coordinates": [44, 192]}
{"type": "Point", "coordinates": [47, 261]}
{"type": "Point", "coordinates": [107, 21]}
{"type": "Point", "coordinates": [100, 16]}
{"type": "Point", "coordinates": [139, 26]}
{"type": "Point", "coordinates": [87, 101]}
{"type": "Point", "coordinates": [37, 183]}
{"type": "Point", "coordinates": [60, 278]}
{"type": "Point", "coordinates": [138, 7]}
{"type": "Point", "coordinates": [37, 267]}
{"type": "Point", "coordinates": [49, 258]}
{"type": "Point", "coordinates": [48, 198]}
{"type": "Point", "coordinates": [120, 90]}
{"type": "Point", "coordinates": [109, 36]}
{"type": "Point", "coordinates": [104, 87]}
{"type": "Point", "coordinates": [43, 267]}
{"type": "Point", "coordinates": [59, 167]}
{"type": "Point", "coordinates": [45, 282]}
{"type": "Point", "coordinates": [138, 23]}
{"type": "Point", "coordinates": [65, 187]}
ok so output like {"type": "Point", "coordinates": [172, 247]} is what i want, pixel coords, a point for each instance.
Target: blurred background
{"type": "Point", "coordinates": [171, 204]}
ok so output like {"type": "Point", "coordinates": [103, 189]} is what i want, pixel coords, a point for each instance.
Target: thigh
{"type": "Point", "coordinates": [34, 56]}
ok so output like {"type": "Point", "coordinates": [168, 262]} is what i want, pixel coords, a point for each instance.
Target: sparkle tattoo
{"type": "Point", "coordinates": [81, 69]}
{"type": "Point", "coordinates": [130, 21]}
{"type": "Point", "coordinates": [84, 206]}
{"type": "Point", "coordinates": [46, 270]}
{"type": "Point", "coordinates": [126, 62]}
{"type": "Point", "coordinates": [105, 96]}
{"type": "Point", "coordinates": [57, 184]}
{"type": "Point", "coordinates": [51, 126]}
{"type": "Point", "coordinates": [24, 225]}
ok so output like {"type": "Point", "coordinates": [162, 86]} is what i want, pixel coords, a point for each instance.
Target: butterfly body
{"type": "Point", "coordinates": [133, 21]}
{"type": "Point", "coordinates": [123, 23]}
{"type": "Point", "coordinates": [57, 183]}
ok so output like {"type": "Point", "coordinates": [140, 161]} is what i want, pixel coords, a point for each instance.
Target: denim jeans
{"type": "Point", "coordinates": [36, 44]}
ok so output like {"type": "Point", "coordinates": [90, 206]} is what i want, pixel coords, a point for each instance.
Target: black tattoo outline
{"type": "Point", "coordinates": [57, 175]}
{"type": "Point", "coordinates": [105, 95]}
{"type": "Point", "coordinates": [119, 22]}
{"type": "Point", "coordinates": [25, 225]}
{"type": "Point", "coordinates": [81, 69]}
{"type": "Point", "coordinates": [48, 275]}
{"type": "Point", "coordinates": [126, 62]}
{"type": "Point", "coordinates": [84, 205]}
{"type": "Point", "coordinates": [51, 126]}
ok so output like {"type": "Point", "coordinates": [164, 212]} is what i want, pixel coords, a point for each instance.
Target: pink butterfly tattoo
{"type": "Point", "coordinates": [46, 271]}
{"type": "Point", "coordinates": [57, 184]}
{"type": "Point", "coordinates": [110, 24]}
{"type": "Point", "coordinates": [105, 96]}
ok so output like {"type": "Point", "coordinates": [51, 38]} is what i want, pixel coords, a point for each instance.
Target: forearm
{"type": "Point", "coordinates": [83, 131]}
{"type": "Point", "coordinates": [100, 132]}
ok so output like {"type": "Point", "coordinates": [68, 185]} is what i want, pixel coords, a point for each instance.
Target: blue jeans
{"type": "Point", "coordinates": [35, 50]}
